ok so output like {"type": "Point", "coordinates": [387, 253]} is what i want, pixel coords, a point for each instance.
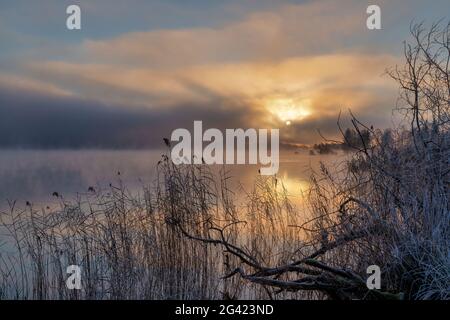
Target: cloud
{"type": "Point", "coordinates": [135, 113]}
{"type": "Point", "coordinates": [14, 82]}
{"type": "Point", "coordinates": [290, 30]}
{"type": "Point", "coordinates": [139, 84]}
{"type": "Point", "coordinates": [35, 120]}
{"type": "Point", "coordinates": [327, 82]}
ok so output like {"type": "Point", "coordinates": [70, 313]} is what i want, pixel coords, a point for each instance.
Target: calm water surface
{"type": "Point", "coordinates": [28, 175]}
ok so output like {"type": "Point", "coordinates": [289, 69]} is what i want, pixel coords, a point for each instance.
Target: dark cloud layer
{"type": "Point", "coordinates": [29, 119]}
{"type": "Point", "coordinates": [32, 120]}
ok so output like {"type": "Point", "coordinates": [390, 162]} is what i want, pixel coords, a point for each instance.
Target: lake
{"type": "Point", "coordinates": [33, 175]}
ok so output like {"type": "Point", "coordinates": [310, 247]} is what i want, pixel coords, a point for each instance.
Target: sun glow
{"type": "Point", "coordinates": [288, 110]}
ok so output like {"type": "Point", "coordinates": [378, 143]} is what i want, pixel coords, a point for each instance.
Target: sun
{"type": "Point", "coordinates": [288, 109]}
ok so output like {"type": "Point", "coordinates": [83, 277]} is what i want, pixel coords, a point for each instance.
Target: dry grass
{"type": "Point", "coordinates": [129, 247]}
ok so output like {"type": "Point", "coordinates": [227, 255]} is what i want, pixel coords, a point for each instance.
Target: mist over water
{"type": "Point", "coordinates": [28, 175]}
{"type": "Point", "coordinates": [33, 175]}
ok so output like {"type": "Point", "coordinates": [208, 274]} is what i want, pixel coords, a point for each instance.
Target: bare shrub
{"type": "Point", "coordinates": [388, 205]}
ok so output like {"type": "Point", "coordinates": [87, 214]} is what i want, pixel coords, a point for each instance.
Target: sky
{"type": "Point", "coordinates": [139, 69]}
